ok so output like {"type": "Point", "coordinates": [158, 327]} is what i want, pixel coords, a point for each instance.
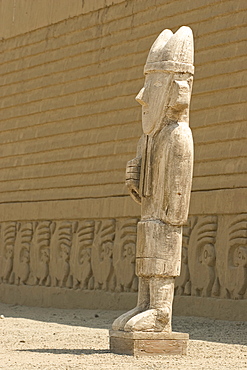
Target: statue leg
{"type": "Point", "coordinates": [158, 317]}
{"type": "Point", "coordinates": [142, 304]}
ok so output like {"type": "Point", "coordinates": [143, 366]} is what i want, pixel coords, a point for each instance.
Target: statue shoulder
{"type": "Point", "coordinates": [181, 136]}
{"type": "Point", "coordinates": [176, 132]}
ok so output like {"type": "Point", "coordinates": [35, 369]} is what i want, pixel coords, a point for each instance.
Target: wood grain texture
{"type": "Point", "coordinates": [148, 344]}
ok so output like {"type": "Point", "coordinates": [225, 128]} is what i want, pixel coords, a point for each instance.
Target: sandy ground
{"type": "Point", "coordinates": [48, 338]}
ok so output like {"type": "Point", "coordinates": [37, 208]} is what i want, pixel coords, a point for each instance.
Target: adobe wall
{"type": "Point", "coordinates": [21, 16]}
{"type": "Point", "coordinates": [69, 123]}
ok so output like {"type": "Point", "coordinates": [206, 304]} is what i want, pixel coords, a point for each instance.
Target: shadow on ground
{"type": "Point", "coordinates": [229, 332]}
{"type": "Point", "coordinates": [233, 332]}
{"type": "Point", "coordinates": [62, 351]}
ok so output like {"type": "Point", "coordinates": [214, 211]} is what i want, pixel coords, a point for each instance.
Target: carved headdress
{"type": "Point", "coordinates": [172, 52]}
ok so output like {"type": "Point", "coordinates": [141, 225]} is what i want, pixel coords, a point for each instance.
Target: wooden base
{"type": "Point", "coordinates": [147, 343]}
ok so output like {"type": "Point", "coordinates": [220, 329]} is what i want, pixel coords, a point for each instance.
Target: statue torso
{"type": "Point", "coordinates": [165, 183]}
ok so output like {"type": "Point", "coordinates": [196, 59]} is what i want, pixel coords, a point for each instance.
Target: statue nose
{"type": "Point", "coordinates": [141, 97]}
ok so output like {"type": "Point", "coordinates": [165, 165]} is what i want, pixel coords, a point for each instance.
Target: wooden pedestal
{"type": "Point", "coordinates": [147, 343]}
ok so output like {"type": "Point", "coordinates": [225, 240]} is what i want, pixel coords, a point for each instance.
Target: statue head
{"type": "Point", "coordinates": [168, 80]}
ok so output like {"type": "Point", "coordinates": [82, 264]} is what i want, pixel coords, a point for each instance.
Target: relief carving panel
{"type": "Point", "coordinates": [231, 260]}
{"type": "Point", "coordinates": [100, 254]}
{"type": "Point", "coordinates": [81, 273]}
{"type": "Point", "coordinates": [40, 254]}
{"type": "Point", "coordinates": [7, 246]}
{"type": "Point", "coordinates": [124, 256]}
{"type": "Point", "coordinates": [21, 262]}
{"type": "Point", "coordinates": [61, 242]}
{"type": "Point", "coordinates": [202, 255]}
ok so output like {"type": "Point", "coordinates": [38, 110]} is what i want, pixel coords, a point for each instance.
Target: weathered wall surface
{"type": "Point", "coordinates": [69, 123]}
{"type": "Point", "coordinates": [20, 16]}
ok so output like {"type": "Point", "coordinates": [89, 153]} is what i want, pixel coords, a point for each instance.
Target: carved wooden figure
{"type": "Point", "coordinates": [160, 177]}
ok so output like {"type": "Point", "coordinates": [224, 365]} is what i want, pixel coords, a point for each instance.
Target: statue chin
{"type": "Point", "coordinates": [148, 127]}
{"type": "Point", "coordinates": [151, 125]}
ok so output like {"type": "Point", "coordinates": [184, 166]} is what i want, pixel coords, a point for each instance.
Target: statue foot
{"type": "Point", "coordinates": [154, 320]}
{"type": "Point", "coordinates": [120, 322]}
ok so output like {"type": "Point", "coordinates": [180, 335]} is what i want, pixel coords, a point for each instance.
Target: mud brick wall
{"type": "Point", "coordinates": [69, 123]}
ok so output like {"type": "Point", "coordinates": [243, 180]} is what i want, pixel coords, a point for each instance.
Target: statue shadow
{"type": "Point", "coordinates": [62, 351]}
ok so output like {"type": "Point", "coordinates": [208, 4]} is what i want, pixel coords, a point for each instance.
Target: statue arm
{"type": "Point", "coordinates": [178, 177]}
{"type": "Point", "coordinates": [133, 170]}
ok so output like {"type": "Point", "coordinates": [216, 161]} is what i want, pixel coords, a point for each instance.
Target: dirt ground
{"type": "Point", "coordinates": [48, 339]}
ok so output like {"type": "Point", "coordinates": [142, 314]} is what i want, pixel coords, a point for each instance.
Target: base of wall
{"type": "Point", "coordinates": [40, 296]}
{"type": "Point", "coordinates": [221, 309]}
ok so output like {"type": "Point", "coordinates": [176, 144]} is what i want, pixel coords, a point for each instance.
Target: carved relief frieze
{"type": "Point", "coordinates": [7, 246]}
{"type": "Point", "coordinates": [124, 256]}
{"type": "Point", "coordinates": [61, 243]}
{"type": "Point", "coordinates": [100, 254]}
{"type": "Point", "coordinates": [198, 274]}
{"type": "Point", "coordinates": [21, 262]}
{"type": "Point", "coordinates": [232, 259]}
{"type": "Point", "coordinates": [40, 253]}
{"type": "Point", "coordinates": [202, 255]}
{"type": "Point", "coordinates": [81, 274]}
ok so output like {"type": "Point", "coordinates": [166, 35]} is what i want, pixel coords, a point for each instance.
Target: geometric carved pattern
{"type": "Point", "coordinates": [80, 254]}
{"type": "Point", "coordinates": [237, 258]}
{"type": "Point", "coordinates": [100, 254]}
{"type": "Point", "coordinates": [214, 257]}
{"type": "Point", "coordinates": [80, 257]}
{"type": "Point", "coordinates": [202, 255]}
{"type": "Point", "coordinates": [124, 256]}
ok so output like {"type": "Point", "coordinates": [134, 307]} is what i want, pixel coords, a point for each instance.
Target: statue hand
{"type": "Point", "coordinates": [133, 170]}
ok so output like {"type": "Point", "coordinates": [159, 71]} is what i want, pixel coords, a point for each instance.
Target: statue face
{"type": "Point", "coordinates": [154, 98]}
{"type": "Point", "coordinates": [163, 94]}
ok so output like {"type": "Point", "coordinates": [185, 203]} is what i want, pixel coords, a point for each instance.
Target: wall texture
{"type": "Point", "coordinates": [20, 16]}
{"type": "Point", "coordinates": [69, 123]}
